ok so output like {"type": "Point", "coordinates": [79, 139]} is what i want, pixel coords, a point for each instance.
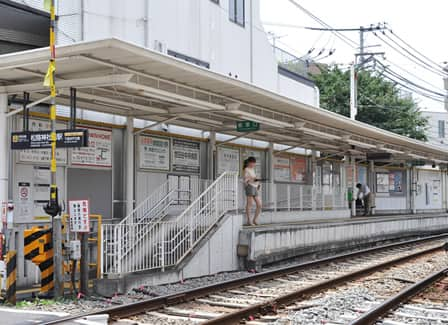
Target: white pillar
{"type": "Point", "coordinates": [270, 173]}
{"type": "Point", "coordinates": [414, 186]}
{"type": "Point", "coordinates": [129, 165]}
{"type": "Point", "coordinates": [353, 163]}
{"type": "Point", "coordinates": [372, 181]}
{"type": "Point", "coordinates": [211, 155]}
{"type": "Point", "coordinates": [4, 152]}
{"type": "Point", "coordinates": [316, 182]}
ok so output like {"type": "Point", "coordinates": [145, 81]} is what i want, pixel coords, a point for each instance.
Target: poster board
{"type": "Point", "coordinates": [282, 169]}
{"type": "Point", "coordinates": [382, 182]}
{"type": "Point", "coordinates": [298, 169]}
{"type": "Point", "coordinates": [228, 160]}
{"type": "Point", "coordinates": [154, 153]}
{"type": "Point", "coordinates": [396, 181]}
{"type": "Point", "coordinates": [99, 151]}
{"type": "Point", "coordinates": [41, 156]}
{"type": "Point", "coordinates": [186, 156]}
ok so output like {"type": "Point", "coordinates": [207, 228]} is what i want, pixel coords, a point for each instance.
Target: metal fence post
{"type": "Point", "coordinates": [162, 248]}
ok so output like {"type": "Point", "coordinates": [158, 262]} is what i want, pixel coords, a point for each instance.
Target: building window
{"type": "Point", "coordinates": [441, 129]}
{"type": "Point", "coordinates": [236, 11]}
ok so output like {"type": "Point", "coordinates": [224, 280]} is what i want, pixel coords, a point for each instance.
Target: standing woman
{"type": "Point", "coordinates": [252, 188]}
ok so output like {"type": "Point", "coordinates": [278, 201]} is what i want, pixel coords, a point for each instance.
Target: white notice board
{"type": "Point", "coordinates": [79, 215]}
{"type": "Point", "coordinates": [154, 153]}
{"type": "Point", "coordinates": [228, 160]}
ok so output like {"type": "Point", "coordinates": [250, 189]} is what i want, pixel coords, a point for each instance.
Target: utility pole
{"type": "Point", "coordinates": [353, 91]}
{"type": "Point", "coordinates": [53, 208]}
{"type": "Point", "coordinates": [361, 44]}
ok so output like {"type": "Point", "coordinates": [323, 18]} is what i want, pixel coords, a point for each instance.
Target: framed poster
{"type": "Point", "coordinates": [298, 169]}
{"type": "Point", "coordinates": [246, 153]}
{"type": "Point", "coordinates": [396, 181]}
{"type": "Point", "coordinates": [382, 182]}
{"type": "Point", "coordinates": [326, 173]}
{"type": "Point", "coordinates": [42, 156]}
{"type": "Point", "coordinates": [186, 156]}
{"type": "Point", "coordinates": [154, 153]}
{"type": "Point", "coordinates": [362, 174]}
{"type": "Point", "coordinates": [282, 169]}
{"type": "Point", "coordinates": [99, 151]}
{"type": "Point", "coordinates": [228, 160]}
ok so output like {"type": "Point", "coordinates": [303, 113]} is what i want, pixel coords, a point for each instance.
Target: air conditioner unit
{"type": "Point", "coordinates": [160, 46]}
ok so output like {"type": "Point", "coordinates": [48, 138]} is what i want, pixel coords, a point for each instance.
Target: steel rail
{"type": "Point", "coordinates": [188, 295]}
{"type": "Point", "coordinates": [373, 315]}
{"type": "Point", "coordinates": [272, 305]}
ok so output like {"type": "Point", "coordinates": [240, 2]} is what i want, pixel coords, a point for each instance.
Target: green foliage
{"type": "Point", "coordinates": [380, 102]}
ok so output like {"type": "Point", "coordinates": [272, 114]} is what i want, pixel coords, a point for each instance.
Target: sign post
{"type": "Point", "coordinates": [79, 211]}
{"type": "Point", "coordinates": [247, 126]}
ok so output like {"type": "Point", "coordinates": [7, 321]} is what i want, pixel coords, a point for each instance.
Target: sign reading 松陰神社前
{"type": "Point", "coordinates": [42, 139]}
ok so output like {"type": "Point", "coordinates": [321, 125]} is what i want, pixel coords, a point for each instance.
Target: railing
{"type": "Point", "coordinates": [299, 197]}
{"type": "Point", "coordinates": [291, 62]}
{"type": "Point", "coordinates": [147, 208]}
{"type": "Point", "coordinates": [158, 244]}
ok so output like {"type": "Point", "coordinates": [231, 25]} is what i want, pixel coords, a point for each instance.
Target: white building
{"type": "Point", "coordinates": [225, 36]}
{"type": "Point", "coordinates": [437, 132]}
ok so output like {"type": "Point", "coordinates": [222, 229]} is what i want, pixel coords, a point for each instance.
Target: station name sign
{"type": "Point", "coordinates": [42, 139]}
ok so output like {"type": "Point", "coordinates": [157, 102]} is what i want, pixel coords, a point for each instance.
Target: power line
{"type": "Point", "coordinates": [424, 66]}
{"type": "Point", "coordinates": [415, 50]}
{"type": "Point", "coordinates": [339, 35]}
{"type": "Point", "coordinates": [414, 56]}
{"type": "Point", "coordinates": [397, 75]}
{"type": "Point", "coordinates": [413, 75]}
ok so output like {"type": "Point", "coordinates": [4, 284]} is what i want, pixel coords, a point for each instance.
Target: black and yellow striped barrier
{"type": "Point", "coordinates": [11, 276]}
{"type": "Point", "coordinates": [39, 249]}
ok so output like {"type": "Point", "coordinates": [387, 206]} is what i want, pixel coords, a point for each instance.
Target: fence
{"type": "Point", "coordinates": [293, 197]}
{"type": "Point", "coordinates": [157, 244]}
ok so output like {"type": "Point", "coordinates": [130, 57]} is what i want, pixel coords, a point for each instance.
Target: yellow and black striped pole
{"type": "Point", "coordinates": [11, 276]}
{"type": "Point", "coordinates": [53, 208]}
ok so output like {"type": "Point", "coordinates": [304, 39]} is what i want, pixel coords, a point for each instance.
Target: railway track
{"type": "Point", "coordinates": [269, 296]}
{"type": "Point", "coordinates": [425, 302]}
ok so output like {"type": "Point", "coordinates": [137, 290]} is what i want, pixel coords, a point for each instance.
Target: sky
{"type": "Point", "coordinates": [423, 24]}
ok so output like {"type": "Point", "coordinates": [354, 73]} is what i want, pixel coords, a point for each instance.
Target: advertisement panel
{"type": "Point", "coordinates": [154, 153]}
{"type": "Point", "coordinates": [228, 160]}
{"type": "Point", "coordinates": [99, 151]}
{"type": "Point", "coordinates": [298, 169]}
{"type": "Point", "coordinates": [186, 156]}
{"type": "Point", "coordinates": [282, 171]}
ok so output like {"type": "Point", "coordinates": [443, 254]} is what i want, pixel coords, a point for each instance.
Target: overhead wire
{"type": "Point", "coordinates": [424, 66]}
{"type": "Point", "coordinates": [430, 66]}
{"type": "Point", "coordinates": [416, 51]}
{"type": "Point", "coordinates": [339, 35]}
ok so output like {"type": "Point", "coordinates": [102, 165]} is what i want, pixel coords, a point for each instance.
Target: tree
{"type": "Point", "coordinates": [380, 102]}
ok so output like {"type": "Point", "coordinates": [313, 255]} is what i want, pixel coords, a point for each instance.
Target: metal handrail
{"type": "Point", "coordinates": [158, 244]}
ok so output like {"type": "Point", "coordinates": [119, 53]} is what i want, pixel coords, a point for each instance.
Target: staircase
{"type": "Point", "coordinates": [147, 239]}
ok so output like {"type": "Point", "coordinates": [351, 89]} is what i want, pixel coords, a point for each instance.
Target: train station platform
{"type": "Point", "coordinates": [307, 239]}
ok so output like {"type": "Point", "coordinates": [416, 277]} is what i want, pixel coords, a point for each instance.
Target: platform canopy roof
{"type": "Point", "coordinates": [117, 77]}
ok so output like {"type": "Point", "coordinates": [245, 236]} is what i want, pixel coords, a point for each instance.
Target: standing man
{"type": "Point", "coordinates": [366, 197]}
